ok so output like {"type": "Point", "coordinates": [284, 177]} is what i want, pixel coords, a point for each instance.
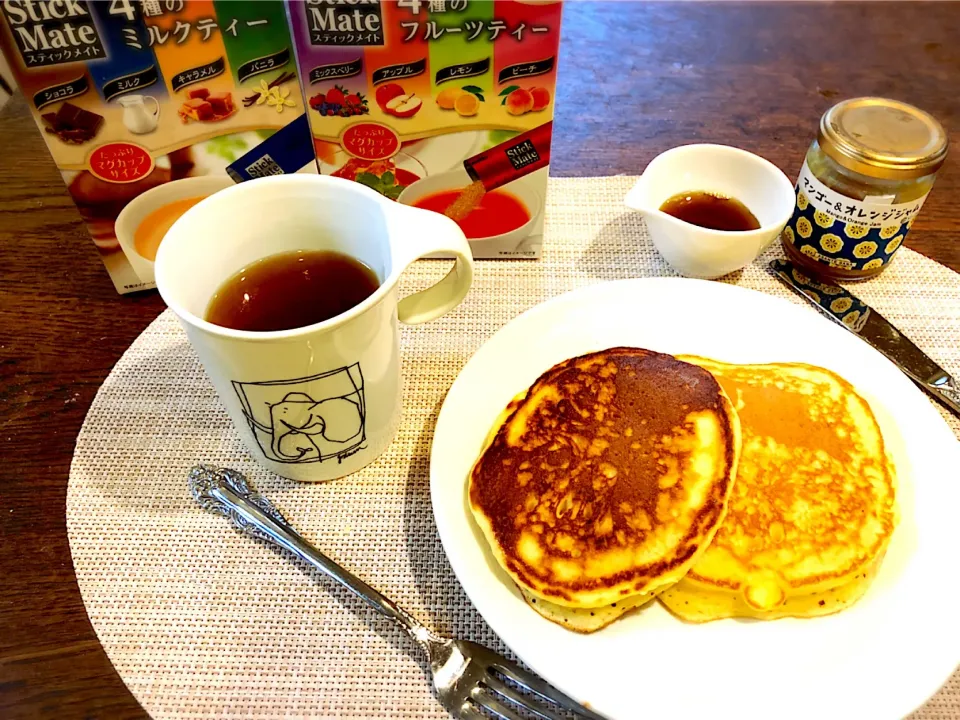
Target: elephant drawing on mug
{"type": "Point", "coordinates": [298, 421]}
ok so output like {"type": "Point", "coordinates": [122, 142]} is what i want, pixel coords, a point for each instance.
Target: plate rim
{"type": "Point", "coordinates": [932, 417]}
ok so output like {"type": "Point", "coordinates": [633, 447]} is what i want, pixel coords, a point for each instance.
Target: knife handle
{"type": "Point", "coordinates": [832, 300]}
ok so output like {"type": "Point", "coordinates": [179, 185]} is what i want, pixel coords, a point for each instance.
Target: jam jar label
{"type": "Point", "coordinates": [845, 233]}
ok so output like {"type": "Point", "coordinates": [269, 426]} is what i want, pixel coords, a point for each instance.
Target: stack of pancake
{"type": "Point", "coordinates": [623, 475]}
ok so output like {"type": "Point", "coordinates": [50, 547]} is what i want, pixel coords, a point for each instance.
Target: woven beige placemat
{"type": "Point", "coordinates": [202, 622]}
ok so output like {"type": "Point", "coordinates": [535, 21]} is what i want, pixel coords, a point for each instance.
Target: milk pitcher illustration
{"type": "Point", "coordinates": [136, 117]}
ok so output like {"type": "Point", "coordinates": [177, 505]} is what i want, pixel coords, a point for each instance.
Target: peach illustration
{"type": "Point", "coordinates": [541, 98]}
{"type": "Point", "coordinates": [519, 101]}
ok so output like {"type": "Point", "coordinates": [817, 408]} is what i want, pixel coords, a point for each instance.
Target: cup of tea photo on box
{"type": "Point", "coordinates": [136, 96]}
{"type": "Point", "coordinates": [446, 106]}
{"type": "Point", "coordinates": [294, 315]}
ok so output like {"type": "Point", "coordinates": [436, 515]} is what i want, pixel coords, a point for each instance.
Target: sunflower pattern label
{"type": "Point", "coordinates": [845, 233]}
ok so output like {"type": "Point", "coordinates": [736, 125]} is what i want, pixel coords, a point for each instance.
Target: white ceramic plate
{"type": "Point", "coordinates": [879, 659]}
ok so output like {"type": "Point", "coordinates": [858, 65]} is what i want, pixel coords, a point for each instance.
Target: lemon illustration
{"type": "Point", "coordinates": [802, 201]}
{"type": "Point", "coordinates": [841, 305]}
{"type": "Point", "coordinates": [830, 290]}
{"type": "Point", "coordinates": [810, 251]}
{"type": "Point", "coordinates": [812, 295]}
{"type": "Point", "coordinates": [800, 277]}
{"type": "Point", "coordinates": [889, 231]}
{"type": "Point", "coordinates": [466, 105]}
{"type": "Point", "coordinates": [865, 249]}
{"type": "Point", "coordinates": [447, 98]}
{"type": "Point", "coordinates": [804, 228]}
{"type": "Point", "coordinates": [872, 264]}
{"type": "Point", "coordinates": [788, 234]}
{"type": "Point", "coordinates": [851, 318]}
{"type": "Point", "coordinates": [855, 231]}
{"type": "Point", "coordinates": [831, 243]}
{"type": "Point", "coordinates": [822, 219]}
{"type": "Point", "coordinates": [841, 263]}
{"type": "Point", "coordinates": [893, 244]}
{"type": "Point", "coordinates": [910, 222]}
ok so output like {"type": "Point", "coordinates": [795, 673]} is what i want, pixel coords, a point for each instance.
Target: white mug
{"type": "Point", "coordinates": [321, 401]}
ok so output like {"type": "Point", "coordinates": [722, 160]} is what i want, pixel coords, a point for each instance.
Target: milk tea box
{"type": "Point", "coordinates": [445, 105]}
{"type": "Point", "coordinates": [147, 106]}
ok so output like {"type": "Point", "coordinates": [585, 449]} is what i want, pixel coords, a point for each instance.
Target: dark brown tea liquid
{"type": "Point", "coordinates": [291, 290]}
{"type": "Point", "coordinates": [707, 210]}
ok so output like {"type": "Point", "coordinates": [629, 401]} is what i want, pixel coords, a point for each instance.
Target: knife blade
{"type": "Point", "coordinates": [847, 310]}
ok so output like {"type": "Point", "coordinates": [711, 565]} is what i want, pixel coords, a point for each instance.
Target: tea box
{"type": "Point", "coordinates": [147, 106]}
{"type": "Point", "coordinates": [431, 103]}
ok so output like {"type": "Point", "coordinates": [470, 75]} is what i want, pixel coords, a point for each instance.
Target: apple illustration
{"type": "Point", "coordinates": [386, 93]}
{"type": "Point", "coordinates": [404, 106]}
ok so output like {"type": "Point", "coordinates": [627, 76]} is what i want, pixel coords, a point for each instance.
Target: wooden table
{"type": "Point", "coordinates": [635, 80]}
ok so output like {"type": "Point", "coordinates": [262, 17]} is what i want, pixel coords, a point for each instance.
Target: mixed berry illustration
{"type": "Point", "coordinates": [340, 102]}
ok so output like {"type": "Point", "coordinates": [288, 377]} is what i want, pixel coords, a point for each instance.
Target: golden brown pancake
{"type": "Point", "coordinates": [588, 620]}
{"type": "Point", "coordinates": [607, 478]}
{"type": "Point", "coordinates": [813, 508]}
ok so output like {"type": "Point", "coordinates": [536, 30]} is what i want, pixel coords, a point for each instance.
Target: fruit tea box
{"type": "Point", "coordinates": [445, 105]}
{"type": "Point", "coordinates": [148, 106]}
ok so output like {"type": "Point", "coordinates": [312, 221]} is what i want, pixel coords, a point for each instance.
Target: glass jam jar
{"type": "Point", "coordinates": [863, 181]}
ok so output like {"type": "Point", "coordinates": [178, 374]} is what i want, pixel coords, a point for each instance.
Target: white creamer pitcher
{"type": "Point", "coordinates": [136, 117]}
{"type": "Point", "coordinates": [701, 252]}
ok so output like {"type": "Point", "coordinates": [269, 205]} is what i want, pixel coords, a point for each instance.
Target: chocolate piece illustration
{"type": "Point", "coordinates": [73, 124]}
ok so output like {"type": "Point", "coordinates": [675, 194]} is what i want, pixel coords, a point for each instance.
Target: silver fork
{"type": "Point", "coordinates": [471, 681]}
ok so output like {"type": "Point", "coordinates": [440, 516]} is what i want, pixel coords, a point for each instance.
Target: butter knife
{"type": "Point", "coordinates": [856, 316]}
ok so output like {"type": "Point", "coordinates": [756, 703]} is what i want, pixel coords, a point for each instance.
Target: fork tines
{"type": "Point", "coordinates": [496, 693]}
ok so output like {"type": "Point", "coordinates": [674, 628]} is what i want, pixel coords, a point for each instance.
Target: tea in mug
{"type": "Point", "coordinates": [291, 290]}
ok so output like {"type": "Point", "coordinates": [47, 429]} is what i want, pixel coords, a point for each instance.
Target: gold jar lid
{"type": "Point", "coordinates": [883, 138]}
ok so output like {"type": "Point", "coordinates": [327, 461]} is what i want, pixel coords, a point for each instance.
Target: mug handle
{"type": "Point", "coordinates": [430, 232]}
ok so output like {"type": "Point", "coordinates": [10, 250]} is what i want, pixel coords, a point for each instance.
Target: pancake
{"type": "Point", "coordinates": [606, 479]}
{"type": "Point", "coordinates": [813, 508]}
{"type": "Point", "coordinates": [588, 620]}
{"type": "Point", "coordinates": [582, 620]}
